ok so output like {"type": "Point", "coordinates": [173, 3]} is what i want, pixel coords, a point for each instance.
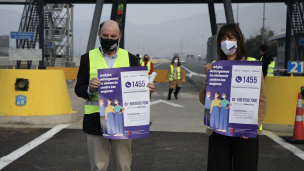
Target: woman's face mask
{"type": "Point", "coordinates": [116, 102]}
{"type": "Point", "coordinates": [109, 102]}
{"type": "Point", "coordinates": [176, 61]}
{"type": "Point", "coordinates": [216, 96]}
{"type": "Point", "coordinates": [223, 97]}
{"type": "Point", "coordinates": [229, 47]}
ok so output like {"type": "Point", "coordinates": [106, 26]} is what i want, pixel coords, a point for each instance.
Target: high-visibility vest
{"type": "Point", "coordinates": [148, 65]}
{"type": "Point", "coordinates": [270, 68]}
{"type": "Point", "coordinates": [250, 59]}
{"type": "Point", "coordinates": [171, 76]}
{"type": "Point", "coordinates": [97, 62]}
{"type": "Point", "coordinates": [120, 8]}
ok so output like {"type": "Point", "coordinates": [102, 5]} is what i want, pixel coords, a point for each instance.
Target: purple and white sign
{"type": "Point", "coordinates": [232, 98]}
{"type": "Point", "coordinates": [124, 102]}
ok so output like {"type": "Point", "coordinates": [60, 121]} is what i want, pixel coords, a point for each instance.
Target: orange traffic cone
{"type": "Point", "coordinates": [298, 132]}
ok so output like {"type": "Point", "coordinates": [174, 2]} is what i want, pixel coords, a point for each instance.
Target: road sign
{"type": "Point", "coordinates": [22, 35]}
{"type": "Point", "coordinates": [295, 67]}
{"type": "Point", "coordinates": [302, 41]}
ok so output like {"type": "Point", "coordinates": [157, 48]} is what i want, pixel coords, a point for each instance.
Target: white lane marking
{"type": "Point", "coordinates": [296, 151]}
{"type": "Point", "coordinates": [193, 73]}
{"type": "Point", "coordinates": [6, 160]}
{"type": "Point", "coordinates": [156, 65]}
{"type": "Point", "coordinates": [163, 101]}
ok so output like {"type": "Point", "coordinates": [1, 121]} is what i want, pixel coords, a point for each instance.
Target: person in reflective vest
{"type": "Point", "coordinates": [108, 55]}
{"type": "Point", "coordinates": [224, 152]}
{"type": "Point", "coordinates": [174, 77]}
{"type": "Point", "coordinates": [138, 59]}
{"type": "Point", "coordinates": [146, 62]}
{"type": "Point", "coordinates": [268, 62]}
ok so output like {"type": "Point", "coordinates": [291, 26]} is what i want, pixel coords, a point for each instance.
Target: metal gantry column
{"type": "Point", "coordinates": [123, 22]}
{"type": "Point", "coordinates": [212, 17]}
{"type": "Point", "coordinates": [67, 57]}
{"type": "Point", "coordinates": [72, 28]}
{"type": "Point", "coordinates": [288, 39]}
{"type": "Point", "coordinates": [114, 10]}
{"type": "Point", "coordinates": [41, 37]}
{"type": "Point", "coordinates": [228, 11]}
{"type": "Point", "coordinates": [95, 24]}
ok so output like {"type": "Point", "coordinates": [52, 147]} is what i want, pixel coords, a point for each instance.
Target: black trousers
{"type": "Point", "coordinates": [232, 153]}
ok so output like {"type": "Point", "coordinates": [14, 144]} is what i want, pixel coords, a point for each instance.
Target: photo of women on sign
{"type": "Point", "coordinates": [102, 117]}
{"type": "Point", "coordinates": [215, 110]}
{"type": "Point", "coordinates": [224, 105]}
{"type": "Point", "coordinates": [118, 110]}
{"type": "Point", "coordinates": [110, 117]}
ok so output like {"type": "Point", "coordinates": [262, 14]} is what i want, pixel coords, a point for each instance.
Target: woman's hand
{"type": "Point", "coordinates": [183, 81]}
{"type": "Point", "coordinates": [220, 105]}
{"type": "Point", "coordinates": [244, 137]}
{"type": "Point", "coordinates": [151, 87]}
{"type": "Point", "coordinates": [227, 108]}
{"type": "Point", "coordinates": [208, 67]}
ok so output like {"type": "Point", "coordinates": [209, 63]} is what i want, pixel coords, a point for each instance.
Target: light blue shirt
{"type": "Point", "coordinates": [109, 61]}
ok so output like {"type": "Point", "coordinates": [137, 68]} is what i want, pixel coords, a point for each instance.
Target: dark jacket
{"type": "Point", "coordinates": [91, 122]}
{"type": "Point", "coordinates": [267, 59]}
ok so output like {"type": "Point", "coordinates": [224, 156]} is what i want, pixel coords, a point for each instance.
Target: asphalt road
{"type": "Point", "coordinates": [161, 151]}
{"type": "Point", "coordinates": [177, 141]}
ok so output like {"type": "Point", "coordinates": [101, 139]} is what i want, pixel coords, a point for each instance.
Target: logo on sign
{"type": "Point", "coordinates": [20, 100]}
{"type": "Point", "coordinates": [233, 99]}
{"type": "Point", "coordinates": [238, 79]}
{"type": "Point", "coordinates": [127, 132]}
{"type": "Point", "coordinates": [126, 104]}
{"type": "Point", "coordinates": [128, 84]}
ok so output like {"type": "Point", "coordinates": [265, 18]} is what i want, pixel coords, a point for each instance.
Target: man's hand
{"type": "Point", "coordinates": [167, 81]}
{"type": "Point", "coordinates": [183, 81]}
{"type": "Point", "coordinates": [208, 67]}
{"type": "Point", "coordinates": [151, 87]}
{"type": "Point", "coordinates": [94, 84]}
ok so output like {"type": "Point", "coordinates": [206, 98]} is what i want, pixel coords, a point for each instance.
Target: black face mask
{"type": "Point", "coordinates": [146, 59]}
{"type": "Point", "coordinates": [108, 45]}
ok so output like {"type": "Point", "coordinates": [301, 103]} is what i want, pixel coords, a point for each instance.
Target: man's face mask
{"type": "Point", "coordinates": [108, 45]}
{"type": "Point", "coordinates": [229, 47]}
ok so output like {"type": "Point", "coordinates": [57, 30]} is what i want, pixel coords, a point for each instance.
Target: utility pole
{"type": "Point", "coordinates": [194, 47]}
{"type": "Point", "coordinates": [263, 28]}
{"type": "Point", "coordinates": [181, 46]}
{"type": "Point", "coordinates": [237, 14]}
{"type": "Point", "coordinates": [203, 46]}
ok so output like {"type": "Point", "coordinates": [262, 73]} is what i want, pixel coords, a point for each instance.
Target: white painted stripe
{"type": "Point", "coordinates": [299, 103]}
{"type": "Point", "coordinates": [6, 160]}
{"type": "Point", "coordinates": [156, 65]}
{"type": "Point", "coordinates": [163, 101]}
{"type": "Point", "coordinates": [296, 151]}
{"type": "Point", "coordinates": [193, 73]}
{"type": "Point", "coordinates": [299, 118]}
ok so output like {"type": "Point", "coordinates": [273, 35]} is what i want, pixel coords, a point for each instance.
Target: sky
{"type": "Point", "coordinates": [146, 14]}
{"type": "Point", "coordinates": [152, 20]}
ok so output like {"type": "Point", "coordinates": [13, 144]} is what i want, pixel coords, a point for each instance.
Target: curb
{"type": "Point", "coordinates": [42, 120]}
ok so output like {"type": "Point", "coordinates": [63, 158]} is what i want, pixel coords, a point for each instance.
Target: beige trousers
{"type": "Point", "coordinates": [100, 149]}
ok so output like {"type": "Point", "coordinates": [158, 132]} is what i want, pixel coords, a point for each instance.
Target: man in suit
{"type": "Point", "coordinates": [99, 147]}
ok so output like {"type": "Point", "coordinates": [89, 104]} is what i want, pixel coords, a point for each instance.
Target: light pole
{"type": "Point", "coordinates": [194, 47]}
{"type": "Point", "coordinates": [203, 46]}
{"type": "Point", "coordinates": [263, 29]}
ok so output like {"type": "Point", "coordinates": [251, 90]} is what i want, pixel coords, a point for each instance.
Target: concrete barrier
{"type": "Point", "coordinates": [162, 75]}
{"type": "Point", "coordinates": [69, 73]}
{"type": "Point", "coordinates": [282, 95]}
{"type": "Point", "coordinates": [47, 98]}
